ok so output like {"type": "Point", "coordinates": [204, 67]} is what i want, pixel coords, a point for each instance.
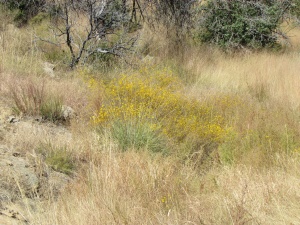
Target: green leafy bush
{"type": "Point", "coordinates": [25, 9]}
{"type": "Point", "coordinates": [242, 23]}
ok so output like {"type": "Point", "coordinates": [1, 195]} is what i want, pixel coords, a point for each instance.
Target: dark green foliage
{"type": "Point", "coordinates": [295, 9]}
{"type": "Point", "coordinates": [242, 23]}
{"type": "Point", "coordinates": [176, 13]}
{"type": "Point", "coordinates": [26, 9]}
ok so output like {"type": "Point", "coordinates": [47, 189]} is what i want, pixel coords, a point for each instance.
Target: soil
{"type": "Point", "coordinates": [25, 179]}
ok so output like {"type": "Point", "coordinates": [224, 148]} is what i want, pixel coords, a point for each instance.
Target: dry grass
{"type": "Point", "coordinates": [255, 179]}
{"type": "Point", "coordinates": [18, 54]}
{"type": "Point", "coordinates": [159, 191]}
{"type": "Point", "coordinates": [275, 74]}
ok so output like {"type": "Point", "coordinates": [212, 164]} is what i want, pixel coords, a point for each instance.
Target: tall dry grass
{"type": "Point", "coordinates": [275, 74]}
{"type": "Point", "coordinates": [155, 190]}
{"type": "Point", "coordinates": [18, 52]}
{"type": "Point", "coordinates": [256, 180]}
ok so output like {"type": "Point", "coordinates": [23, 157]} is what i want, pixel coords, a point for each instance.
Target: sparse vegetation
{"type": "Point", "coordinates": [196, 136]}
{"type": "Point", "coordinates": [58, 158]}
{"type": "Point", "coordinates": [32, 99]}
{"type": "Point", "coordinates": [51, 109]}
{"type": "Point", "coordinates": [102, 28]}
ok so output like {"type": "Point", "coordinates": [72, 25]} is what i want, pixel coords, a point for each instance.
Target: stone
{"type": "Point", "coordinates": [17, 176]}
{"type": "Point", "coordinates": [49, 69]}
{"type": "Point", "coordinates": [68, 113]}
{"type": "Point", "coordinates": [13, 119]}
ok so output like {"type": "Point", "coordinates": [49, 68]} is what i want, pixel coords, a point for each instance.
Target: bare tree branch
{"type": "Point", "coordinates": [92, 27]}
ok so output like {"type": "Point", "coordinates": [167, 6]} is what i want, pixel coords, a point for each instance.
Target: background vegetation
{"type": "Point", "coordinates": [170, 128]}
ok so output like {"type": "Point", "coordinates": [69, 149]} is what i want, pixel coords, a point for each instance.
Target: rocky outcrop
{"type": "Point", "coordinates": [25, 179]}
{"type": "Point", "coordinates": [16, 175]}
{"type": "Point", "coordinates": [22, 179]}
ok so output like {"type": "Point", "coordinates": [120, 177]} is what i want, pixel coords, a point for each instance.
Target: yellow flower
{"type": "Point", "coordinates": [154, 96]}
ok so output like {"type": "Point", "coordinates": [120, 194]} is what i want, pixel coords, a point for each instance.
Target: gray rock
{"type": "Point", "coordinates": [13, 119]}
{"type": "Point", "coordinates": [5, 196]}
{"type": "Point", "coordinates": [68, 113]}
{"type": "Point", "coordinates": [49, 69]}
{"type": "Point", "coordinates": [21, 177]}
{"type": "Point", "coordinates": [55, 181]}
{"type": "Point", "coordinates": [18, 176]}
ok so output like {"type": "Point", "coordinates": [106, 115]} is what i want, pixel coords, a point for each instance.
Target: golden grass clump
{"type": "Point", "coordinates": [31, 98]}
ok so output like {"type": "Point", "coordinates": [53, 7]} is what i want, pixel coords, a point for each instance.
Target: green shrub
{"type": "Point", "coordinates": [152, 97]}
{"type": "Point", "coordinates": [51, 109]}
{"type": "Point", "coordinates": [242, 23]}
{"type": "Point", "coordinates": [138, 135]}
{"type": "Point", "coordinates": [295, 9]}
{"type": "Point", "coordinates": [25, 9]}
{"type": "Point", "coordinates": [39, 18]}
{"type": "Point", "coordinates": [60, 161]}
{"type": "Point", "coordinates": [58, 158]}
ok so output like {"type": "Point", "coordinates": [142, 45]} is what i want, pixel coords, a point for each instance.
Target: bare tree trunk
{"type": "Point", "coordinates": [133, 12]}
{"type": "Point", "coordinates": [105, 26]}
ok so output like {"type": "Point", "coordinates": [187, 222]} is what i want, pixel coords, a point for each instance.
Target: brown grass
{"type": "Point", "coordinates": [18, 53]}
{"type": "Point", "coordinates": [256, 179]}
{"type": "Point", "coordinates": [28, 96]}
{"type": "Point", "coordinates": [158, 191]}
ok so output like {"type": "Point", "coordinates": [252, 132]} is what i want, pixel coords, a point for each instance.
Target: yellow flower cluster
{"type": "Point", "coordinates": [153, 96]}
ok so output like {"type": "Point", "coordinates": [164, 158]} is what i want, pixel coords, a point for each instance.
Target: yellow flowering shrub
{"type": "Point", "coordinates": [153, 96]}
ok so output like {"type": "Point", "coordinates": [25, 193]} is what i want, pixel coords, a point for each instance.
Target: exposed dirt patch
{"type": "Point", "coordinates": [25, 179]}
